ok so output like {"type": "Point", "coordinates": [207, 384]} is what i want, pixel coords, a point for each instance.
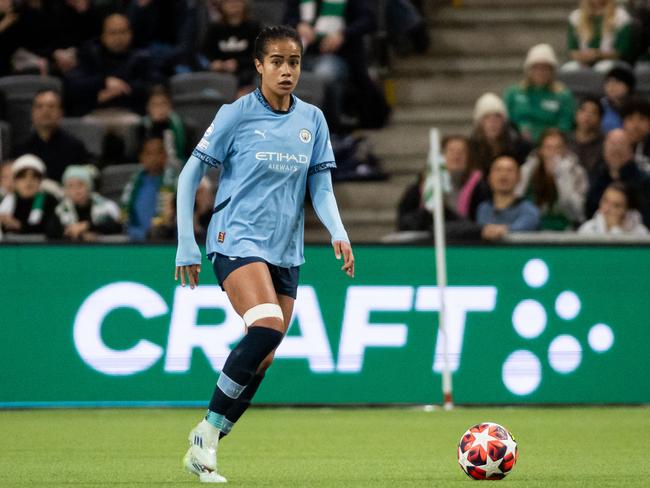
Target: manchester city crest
{"type": "Point", "coordinates": [305, 136]}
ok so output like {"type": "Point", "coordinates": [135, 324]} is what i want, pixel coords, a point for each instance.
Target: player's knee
{"type": "Point", "coordinates": [270, 323]}
{"type": "Point", "coordinates": [265, 315]}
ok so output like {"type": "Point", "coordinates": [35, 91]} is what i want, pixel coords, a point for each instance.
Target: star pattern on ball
{"type": "Point", "coordinates": [483, 438]}
{"type": "Point", "coordinates": [491, 467]}
{"type": "Point", "coordinates": [487, 451]}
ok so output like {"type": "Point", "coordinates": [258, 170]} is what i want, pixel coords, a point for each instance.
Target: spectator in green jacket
{"type": "Point", "coordinates": [540, 102]}
{"type": "Point", "coordinates": [599, 33]}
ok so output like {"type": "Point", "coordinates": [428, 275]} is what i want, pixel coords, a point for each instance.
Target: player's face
{"type": "Point", "coordinates": [280, 70]}
{"type": "Point", "coordinates": [77, 191]}
{"type": "Point", "coordinates": [27, 183]}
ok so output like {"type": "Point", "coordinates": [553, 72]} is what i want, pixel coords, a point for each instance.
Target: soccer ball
{"type": "Point", "coordinates": [487, 451]}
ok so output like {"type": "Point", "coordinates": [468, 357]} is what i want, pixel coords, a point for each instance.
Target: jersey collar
{"type": "Point", "coordinates": [263, 101]}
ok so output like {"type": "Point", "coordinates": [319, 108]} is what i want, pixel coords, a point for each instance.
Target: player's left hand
{"type": "Point", "coordinates": [345, 249]}
{"type": "Point", "coordinates": [192, 271]}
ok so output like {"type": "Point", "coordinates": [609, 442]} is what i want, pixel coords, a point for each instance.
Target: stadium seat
{"type": "Point", "coordinates": [642, 72]}
{"type": "Point", "coordinates": [5, 140]}
{"type": "Point", "coordinates": [583, 82]}
{"type": "Point", "coordinates": [311, 89]}
{"type": "Point", "coordinates": [90, 133]}
{"type": "Point", "coordinates": [19, 91]}
{"type": "Point", "coordinates": [114, 179]}
{"type": "Point", "coordinates": [269, 12]}
{"type": "Point", "coordinates": [198, 96]}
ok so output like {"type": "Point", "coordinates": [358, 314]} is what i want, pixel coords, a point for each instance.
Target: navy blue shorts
{"type": "Point", "coordinates": [285, 280]}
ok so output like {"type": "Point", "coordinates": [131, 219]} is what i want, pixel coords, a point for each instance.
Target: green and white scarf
{"type": "Point", "coordinates": [8, 207]}
{"type": "Point", "coordinates": [168, 182]}
{"type": "Point", "coordinates": [329, 19]}
{"type": "Point", "coordinates": [102, 210]}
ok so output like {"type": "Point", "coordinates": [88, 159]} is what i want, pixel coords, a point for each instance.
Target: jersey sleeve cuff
{"type": "Point", "coordinates": [206, 158]}
{"type": "Point", "coordinates": [341, 237]}
{"type": "Point", "coordinates": [321, 167]}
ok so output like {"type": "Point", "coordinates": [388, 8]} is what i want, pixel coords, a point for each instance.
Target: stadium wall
{"type": "Point", "coordinates": [107, 325]}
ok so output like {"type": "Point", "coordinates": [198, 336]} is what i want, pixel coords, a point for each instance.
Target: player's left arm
{"type": "Point", "coordinates": [324, 202]}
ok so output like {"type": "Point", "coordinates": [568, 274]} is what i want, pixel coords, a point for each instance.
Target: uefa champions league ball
{"type": "Point", "coordinates": [487, 451]}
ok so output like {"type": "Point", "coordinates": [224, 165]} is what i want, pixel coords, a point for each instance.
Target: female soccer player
{"type": "Point", "coordinates": [270, 146]}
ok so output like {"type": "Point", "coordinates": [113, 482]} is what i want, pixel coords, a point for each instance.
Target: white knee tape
{"type": "Point", "coordinates": [262, 311]}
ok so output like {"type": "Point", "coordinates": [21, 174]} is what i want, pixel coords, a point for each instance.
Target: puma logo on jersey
{"type": "Point", "coordinates": [261, 133]}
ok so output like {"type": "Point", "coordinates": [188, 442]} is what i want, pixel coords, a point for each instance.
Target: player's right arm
{"type": "Point", "coordinates": [211, 150]}
{"type": "Point", "coordinates": [188, 254]}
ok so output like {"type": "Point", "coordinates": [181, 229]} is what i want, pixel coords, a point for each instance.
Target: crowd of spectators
{"type": "Point", "coordinates": [582, 162]}
{"type": "Point", "coordinates": [114, 64]}
{"type": "Point", "coordinates": [541, 158]}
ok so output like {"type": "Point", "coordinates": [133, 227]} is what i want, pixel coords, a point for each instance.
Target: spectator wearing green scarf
{"type": "Point", "coordinates": [146, 198]}
{"type": "Point", "coordinates": [28, 209]}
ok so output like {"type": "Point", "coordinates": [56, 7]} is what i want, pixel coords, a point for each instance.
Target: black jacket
{"type": "Point", "coordinates": [62, 150]}
{"type": "Point", "coordinates": [96, 64]}
{"type": "Point", "coordinates": [24, 209]}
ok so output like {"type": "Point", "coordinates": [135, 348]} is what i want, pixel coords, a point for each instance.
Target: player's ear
{"type": "Point", "coordinates": [258, 66]}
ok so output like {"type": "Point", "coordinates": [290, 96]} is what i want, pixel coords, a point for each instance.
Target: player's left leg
{"type": "Point", "coordinates": [244, 401]}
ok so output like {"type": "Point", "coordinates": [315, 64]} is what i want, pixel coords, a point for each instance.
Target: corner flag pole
{"type": "Point", "coordinates": [441, 260]}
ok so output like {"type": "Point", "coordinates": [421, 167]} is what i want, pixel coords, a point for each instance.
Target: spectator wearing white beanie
{"type": "Point", "coordinates": [539, 102]}
{"type": "Point", "coordinates": [28, 161]}
{"type": "Point", "coordinates": [540, 54]}
{"type": "Point", "coordinates": [489, 103]}
{"type": "Point", "coordinates": [29, 208]}
{"type": "Point", "coordinates": [493, 135]}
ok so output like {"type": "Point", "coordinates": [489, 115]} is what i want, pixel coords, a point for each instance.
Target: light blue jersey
{"type": "Point", "coordinates": [265, 158]}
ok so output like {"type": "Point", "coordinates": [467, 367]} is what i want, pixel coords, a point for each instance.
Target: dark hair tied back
{"type": "Point", "coordinates": [274, 33]}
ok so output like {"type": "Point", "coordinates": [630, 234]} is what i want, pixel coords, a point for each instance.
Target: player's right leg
{"type": "Point", "coordinates": [252, 295]}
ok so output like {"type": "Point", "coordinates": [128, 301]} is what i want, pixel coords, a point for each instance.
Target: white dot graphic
{"type": "Point", "coordinates": [529, 319]}
{"type": "Point", "coordinates": [567, 305]}
{"type": "Point", "coordinates": [522, 372]}
{"type": "Point", "coordinates": [565, 354]}
{"type": "Point", "coordinates": [535, 273]}
{"type": "Point", "coordinates": [601, 337]}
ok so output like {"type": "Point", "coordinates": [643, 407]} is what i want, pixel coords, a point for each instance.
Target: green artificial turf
{"type": "Point", "coordinates": [559, 447]}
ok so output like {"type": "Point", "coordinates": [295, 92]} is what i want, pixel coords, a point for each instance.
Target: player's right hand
{"type": "Point", "coordinates": [188, 274]}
